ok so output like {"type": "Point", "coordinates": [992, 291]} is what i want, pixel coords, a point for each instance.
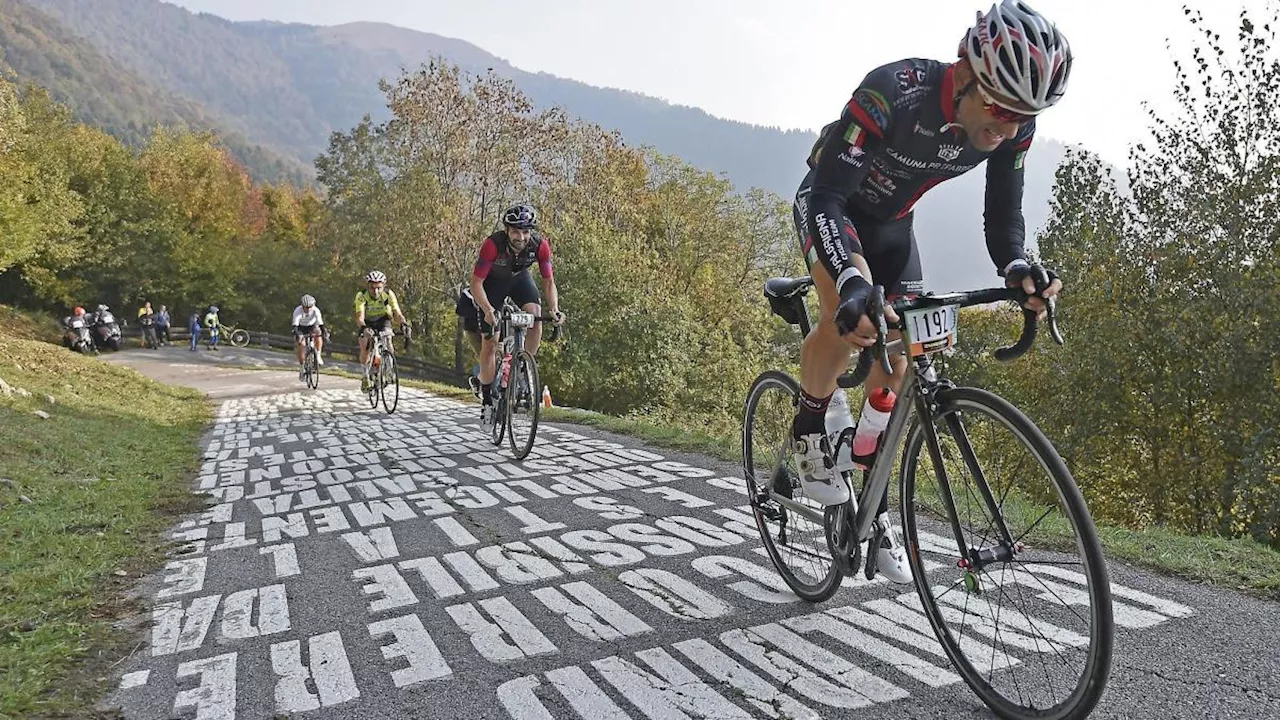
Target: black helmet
{"type": "Point", "coordinates": [520, 217]}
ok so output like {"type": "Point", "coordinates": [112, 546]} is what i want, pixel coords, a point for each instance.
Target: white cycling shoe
{"type": "Point", "coordinates": [818, 477]}
{"type": "Point", "coordinates": [891, 558]}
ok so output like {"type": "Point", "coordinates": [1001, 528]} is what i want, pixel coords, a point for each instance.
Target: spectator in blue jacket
{"type": "Point", "coordinates": [193, 325]}
{"type": "Point", "coordinates": [162, 325]}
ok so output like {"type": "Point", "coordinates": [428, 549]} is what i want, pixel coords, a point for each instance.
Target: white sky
{"type": "Point", "coordinates": [792, 63]}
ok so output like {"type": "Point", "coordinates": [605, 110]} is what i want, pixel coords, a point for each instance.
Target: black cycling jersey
{"type": "Point", "coordinates": [895, 139]}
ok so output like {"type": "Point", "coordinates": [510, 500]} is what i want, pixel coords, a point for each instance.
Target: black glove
{"type": "Point", "coordinates": [855, 296]}
{"type": "Point", "coordinates": [1042, 276]}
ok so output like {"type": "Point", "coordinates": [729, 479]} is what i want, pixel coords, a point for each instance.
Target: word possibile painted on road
{"type": "Point", "coordinates": [356, 564]}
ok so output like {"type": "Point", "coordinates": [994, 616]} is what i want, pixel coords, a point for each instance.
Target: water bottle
{"type": "Point", "coordinates": [874, 418]}
{"type": "Point", "coordinates": [837, 419]}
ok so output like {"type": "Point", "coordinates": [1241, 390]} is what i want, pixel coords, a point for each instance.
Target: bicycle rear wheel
{"type": "Point", "coordinates": [239, 338]}
{"type": "Point", "coordinates": [389, 383]}
{"type": "Point", "coordinates": [1016, 614]}
{"type": "Point", "coordinates": [522, 405]}
{"type": "Point", "coordinates": [796, 545]}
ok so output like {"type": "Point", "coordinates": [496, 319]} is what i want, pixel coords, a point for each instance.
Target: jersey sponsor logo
{"type": "Point", "coordinates": [922, 130]}
{"type": "Point", "coordinates": [882, 182]}
{"type": "Point", "coordinates": [874, 105]}
{"type": "Point", "coordinates": [929, 166]}
{"type": "Point", "coordinates": [910, 79]}
{"type": "Point", "coordinates": [949, 152]}
{"type": "Point", "coordinates": [829, 235]}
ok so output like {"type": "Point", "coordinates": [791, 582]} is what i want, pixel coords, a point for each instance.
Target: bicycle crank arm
{"type": "Point", "coordinates": [872, 553]}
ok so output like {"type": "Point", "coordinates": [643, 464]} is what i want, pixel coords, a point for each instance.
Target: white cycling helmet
{"type": "Point", "coordinates": [1019, 57]}
{"type": "Point", "coordinates": [308, 301]}
{"type": "Point", "coordinates": [375, 276]}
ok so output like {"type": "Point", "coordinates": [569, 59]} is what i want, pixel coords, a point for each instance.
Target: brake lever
{"type": "Point", "coordinates": [1052, 317]}
{"type": "Point", "coordinates": [882, 329]}
{"type": "Point", "coordinates": [1041, 280]}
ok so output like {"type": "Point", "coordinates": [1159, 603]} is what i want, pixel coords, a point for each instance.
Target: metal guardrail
{"type": "Point", "coordinates": [410, 366]}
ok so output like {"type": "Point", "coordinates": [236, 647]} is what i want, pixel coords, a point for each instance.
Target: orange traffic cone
{"type": "Point", "coordinates": [546, 396]}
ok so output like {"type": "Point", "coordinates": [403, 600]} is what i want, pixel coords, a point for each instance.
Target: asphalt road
{"type": "Point", "coordinates": [353, 564]}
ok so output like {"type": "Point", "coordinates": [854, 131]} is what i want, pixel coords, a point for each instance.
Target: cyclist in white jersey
{"type": "Point", "coordinates": [307, 321]}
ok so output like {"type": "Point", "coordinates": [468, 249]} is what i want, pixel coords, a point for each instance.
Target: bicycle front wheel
{"type": "Point", "coordinates": [389, 383]}
{"type": "Point", "coordinates": [522, 404]}
{"type": "Point", "coordinates": [1006, 559]}
{"type": "Point", "coordinates": [375, 375]}
{"type": "Point", "coordinates": [499, 399]}
{"type": "Point", "coordinates": [239, 338]}
{"type": "Point", "coordinates": [312, 370]}
{"type": "Point", "coordinates": [796, 544]}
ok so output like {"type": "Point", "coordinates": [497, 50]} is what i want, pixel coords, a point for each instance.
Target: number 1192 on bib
{"type": "Point", "coordinates": [931, 329]}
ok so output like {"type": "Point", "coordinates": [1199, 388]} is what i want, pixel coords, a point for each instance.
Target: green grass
{"type": "Point", "coordinates": [105, 475]}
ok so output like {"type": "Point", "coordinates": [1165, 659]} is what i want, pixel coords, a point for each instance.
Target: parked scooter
{"type": "Point", "coordinates": [106, 331]}
{"type": "Point", "coordinates": [77, 336]}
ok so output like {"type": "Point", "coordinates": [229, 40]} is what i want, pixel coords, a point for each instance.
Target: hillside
{"type": "Point", "coordinates": [39, 50]}
{"type": "Point", "coordinates": [288, 86]}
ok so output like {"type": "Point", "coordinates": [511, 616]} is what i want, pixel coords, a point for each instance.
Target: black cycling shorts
{"type": "Point", "coordinates": [377, 324]}
{"type": "Point", "coordinates": [889, 246]}
{"type": "Point", "coordinates": [520, 288]}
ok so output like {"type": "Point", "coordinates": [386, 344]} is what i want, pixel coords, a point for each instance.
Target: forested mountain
{"type": "Point", "coordinates": [39, 50]}
{"type": "Point", "coordinates": [289, 86]}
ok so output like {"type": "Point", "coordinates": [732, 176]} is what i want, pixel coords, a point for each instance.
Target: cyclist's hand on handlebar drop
{"type": "Point", "coordinates": [1038, 282]}
{"type": "Point", "coordinates": [852, 320]}
{"type": "Point", "coordinates": [557, 317]}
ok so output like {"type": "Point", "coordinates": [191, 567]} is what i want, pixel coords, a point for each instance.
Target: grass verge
{"type": "Point", "coordinates": [87, 493]}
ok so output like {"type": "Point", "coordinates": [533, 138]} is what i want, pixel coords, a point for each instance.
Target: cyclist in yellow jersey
{"type": "Point", "coordinates": [374, 309]}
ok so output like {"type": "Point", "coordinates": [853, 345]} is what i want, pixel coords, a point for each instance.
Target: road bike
{"type": "Point", "coordinates": [380, 368]}
{"type": "Point", "coordinates": [967, 573]}
{"type": "Point", "coordinates": [310, 360]}
{"type": "Point", "coordinates": [238, 337]}
{"type": "Point", "coordinates": [515, 387]}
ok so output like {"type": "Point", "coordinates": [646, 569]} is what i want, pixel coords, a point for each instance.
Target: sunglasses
{"type": "Point", "coordinates": [1000, 113]}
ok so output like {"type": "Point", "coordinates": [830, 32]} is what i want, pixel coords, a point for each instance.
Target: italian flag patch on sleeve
{"type": "Point", "coordinates": [855, 135]}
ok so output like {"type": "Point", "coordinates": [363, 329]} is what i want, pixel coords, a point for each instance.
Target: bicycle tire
{"type": "Point", "coordinates": [373, 375]}
{"type": "Point", "coordinates": [239, 338]}
{"type": "Point", "coordinates": [312, 371]}
{"type": "Point", "coordinates": [498, 396]}
{"type": "Point", "coordinates": [523, 360]}
{"type": "Point", "coordinates": [827, 586]}
{"type": "Point", "coordinates": [389, 367]}
{"type": "Point", "coordinates": [1093, 680]}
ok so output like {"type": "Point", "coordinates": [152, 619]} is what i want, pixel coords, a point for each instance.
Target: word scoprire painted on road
{"type": "Point", "coordinates": [362, 565]}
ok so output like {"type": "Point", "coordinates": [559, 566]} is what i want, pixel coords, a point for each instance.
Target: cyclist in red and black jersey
{"type": "Point", "coordinates": [502, 271]}
{"type": "Point", "coordinates": [908, 126]}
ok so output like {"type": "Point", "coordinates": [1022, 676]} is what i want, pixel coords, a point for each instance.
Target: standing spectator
{"type": "Point", "coordinates": [193, 325]}
{"type": "Point", "coordinates": [162, 325]}
{"type": "Point", "coordinates": [213, 325]}
{"type": "Point", "coordinates": [147, 319]}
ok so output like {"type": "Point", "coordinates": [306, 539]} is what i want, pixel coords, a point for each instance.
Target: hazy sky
{"type": "Point", "coordinates": [791, 64]}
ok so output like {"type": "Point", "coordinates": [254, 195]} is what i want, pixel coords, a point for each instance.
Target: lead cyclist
{"type": "Point", "coordinates": [910, 125]}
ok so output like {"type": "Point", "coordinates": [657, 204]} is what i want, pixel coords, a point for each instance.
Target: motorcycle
{"type": "Point", "coordinates": [106, 331]}
{"type": "Point", "coordinates": [77, 336]}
